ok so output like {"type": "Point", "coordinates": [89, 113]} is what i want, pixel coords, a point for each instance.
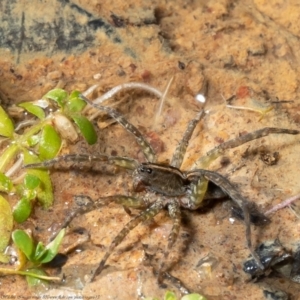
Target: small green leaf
{"type": "Point", "coordinates": [33, 281]}
{"type": "Point", "coordinates": [33, 109]}
{"type": "Point", "coordinates": [86, 128]}
{"type": "Point", "coordinates": [58, 95]}
{"type": "Point", "coordinates": [40, 250]}
{"type": "Point", "coordinates": [31, 181]}
{"type": "Point", "coordinates": [170, 296]}
{"type": "Point", "coordinates": [193, 297]}
{"type": "Point", "coordinates": [33, 140]}
{"type": "Point", "coordinates": [75, 103]}
{"type": "Point", "coordinates": [6, 124]}
{"type": "Point", "coordinates": [26, 193]}
{"type": "Point", "coordinates": [6, 223]}
{"type": "Point", "coordinates": [24, 242]}
{"type": "Point", "coordinates": [74, 95]}
{"type": "Point", "coordinates": [22, 210]}
{"type": "Point", "coordinates": [52, 248]}
{"type": "Point", "coordinates": [8, 155]}
{"type": "Point", "coordinates": [5, 183]}
{"type": "Point", "coordinates": [30, 194]}
{"type": "Point", "coordinates": [30, 157]}
{"type": "Point", "coordinates": [50, 143]}
{"type": "Point", "coordinates": [45, 191]}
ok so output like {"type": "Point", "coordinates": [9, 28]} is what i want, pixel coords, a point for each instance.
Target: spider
{"type": "Point", "coordinates": [175, 189]}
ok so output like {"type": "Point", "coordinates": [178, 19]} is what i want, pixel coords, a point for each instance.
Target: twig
{"type": "Point", "coordinates": [162, 100]}
{"type": "Point", "coordinates": [283, 204]}
{"type": "Point", "coordinates": [120, 87]}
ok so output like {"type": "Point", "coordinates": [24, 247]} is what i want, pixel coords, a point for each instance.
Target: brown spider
{"type": "Point", "coordinates": [174, 189]}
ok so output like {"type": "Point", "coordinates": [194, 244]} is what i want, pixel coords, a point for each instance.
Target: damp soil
{"type": "Point", "coordinates": [247, 49]}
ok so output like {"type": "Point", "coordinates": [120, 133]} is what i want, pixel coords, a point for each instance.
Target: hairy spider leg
{"type": "Point", "coordinates": [147, 214]}
{"type": "Point", "coordinates": [124, 162]}
{"type": "Point", "coordinates": [243, 203]}
{"type": "Point", "coordinates": [180, 150]}
{"type": "Point", "coordinates": [199, 189]}
{"type": "Point", "coordinates": [213, 154]}
{"type": "Point", "coordinates": [86, 204]}
{"type": "Point", "coordinates": [145, 146]}
{"type": "Point", "coordinates": [175, 214]}
{"type": "Point", "coordinates": [231, 191]}
{"type": "Point", "coordinates": [176, 282]}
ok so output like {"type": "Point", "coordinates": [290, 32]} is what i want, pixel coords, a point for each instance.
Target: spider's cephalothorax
{"type": "Point", "coordinates": [165, 180]}
{"type": "Point", "coordinates": [174, 189]}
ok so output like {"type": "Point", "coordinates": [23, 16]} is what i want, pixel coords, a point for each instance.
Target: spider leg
{"type": "Point", "coordinates": [176, 282]}
{"type": "Point", "coordinates": [175, 214]}
{"type": "Point", "coordinates": [86, 204]}
{"type": "Point", "coordinates": [213, 154]}
{"type": "Point", "coordinates": [147, 214]}
{"type": "Point", "coordinates": [180, 150]}
{"type": "Point", "coordinates": [198, 189]}
{"type": "Point", "coordinates": [243, 203]}
{"type": "Point", "coordinates": [127, 163]}
{"type": "Point", "coordinates": [146, 147]}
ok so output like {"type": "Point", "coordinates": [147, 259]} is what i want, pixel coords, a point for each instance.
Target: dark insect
{"type": "Point", "coordinates": [275, 259]}
{"type": "Point", "coordinates": [174, 189]}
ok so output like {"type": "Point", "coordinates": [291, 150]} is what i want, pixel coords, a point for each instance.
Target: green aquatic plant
{"type": "Point", "coordinates": [31, 257]}
{"type": "Point", "coordinates": [171, 296]}
{"type": "Point", "coordinates": [55, 118]}
{"type": "Point", "coordinates": [44, 137]}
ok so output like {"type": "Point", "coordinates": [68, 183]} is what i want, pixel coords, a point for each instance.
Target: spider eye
{"type": "Point", "coordinates": [147, 170]}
